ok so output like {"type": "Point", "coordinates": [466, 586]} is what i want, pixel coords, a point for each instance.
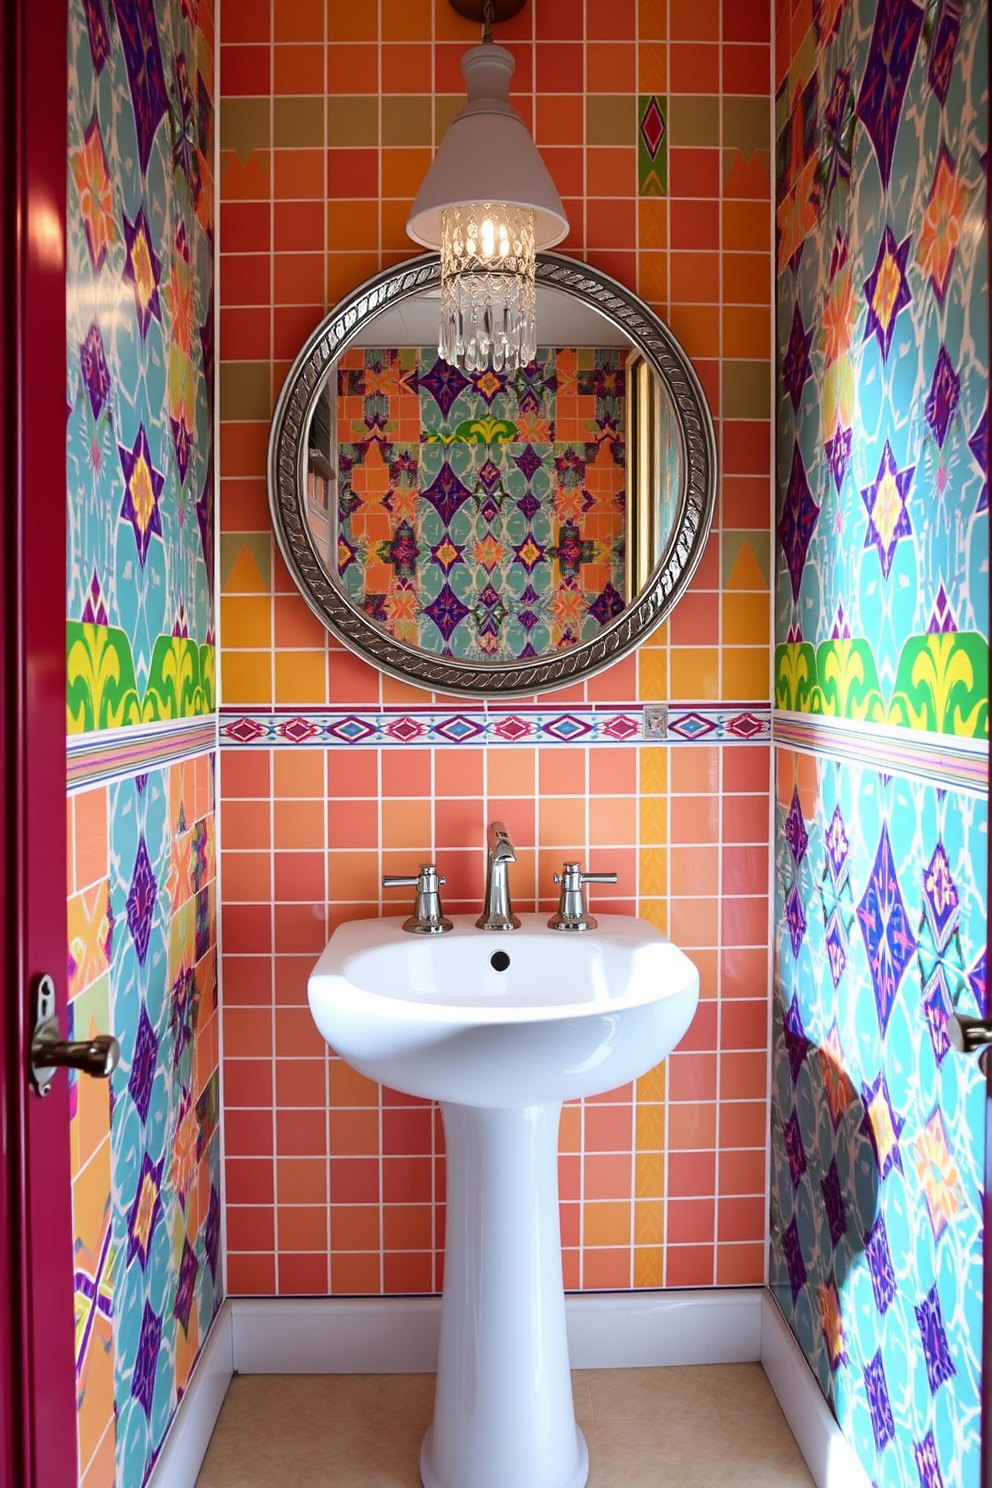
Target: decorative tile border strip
{"type": "Point", "coordinates": [487, 724]}
{"type": "Point", "coordinates": [940, 759]}
{"type": "Point", "coordinates": [118, 754]}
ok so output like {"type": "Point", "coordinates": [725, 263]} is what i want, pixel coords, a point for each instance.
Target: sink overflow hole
{"type": "Point", "coordinates": [499, 960]}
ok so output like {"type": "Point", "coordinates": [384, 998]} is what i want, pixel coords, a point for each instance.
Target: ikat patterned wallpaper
{"type": "Point", "coordinates": [878, 1127]}
{"type": "Point", "coordinates": [140, 717]}
{"type": "Point", "coordinates": [497, 530]}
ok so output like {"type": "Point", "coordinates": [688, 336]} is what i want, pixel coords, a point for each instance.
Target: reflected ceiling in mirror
{"type": "Point", "coordinates": [483, 533]}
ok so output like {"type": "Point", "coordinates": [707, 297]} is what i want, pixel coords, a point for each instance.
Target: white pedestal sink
{"type": "Point", "coordinates": [501, 1028]}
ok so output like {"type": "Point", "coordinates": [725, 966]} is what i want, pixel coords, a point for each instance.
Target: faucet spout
{"type": "Point", "coordinates": [497, 913]}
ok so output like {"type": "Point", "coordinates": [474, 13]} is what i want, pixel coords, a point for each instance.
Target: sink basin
{"type": "Point", "coordinates": [503, 1019]}
{"type": "Point", "coordinates": [501, 1028]}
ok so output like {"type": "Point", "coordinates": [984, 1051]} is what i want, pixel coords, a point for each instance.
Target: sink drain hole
{"type": "Point", "coordinates": [499, 960]}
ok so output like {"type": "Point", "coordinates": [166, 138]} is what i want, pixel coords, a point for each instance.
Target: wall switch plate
{"type": "Point", "coordinates": [655, 721]}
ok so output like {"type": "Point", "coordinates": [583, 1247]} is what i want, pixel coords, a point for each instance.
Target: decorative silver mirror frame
{"type": "Point", "coordinates": [671, 576]}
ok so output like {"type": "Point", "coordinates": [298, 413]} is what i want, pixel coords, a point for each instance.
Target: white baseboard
{"type": "Point", "coordinates": [192, 1426]}
{"type": "Point", "coordinates": [829, 1456]}
{"type": "Point", "coordinates": [606, 1330]}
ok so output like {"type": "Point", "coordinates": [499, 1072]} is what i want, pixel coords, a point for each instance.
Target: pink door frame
{"type": "Point", "coordinates": [37, 1368]}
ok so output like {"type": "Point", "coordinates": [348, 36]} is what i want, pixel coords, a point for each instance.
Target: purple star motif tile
{"type": "Point", "coordinates": [888, 515]}
{"type": "Point", "coordinates": [795, 918]}
{"type": "Point", "coordinates": [146, 1362]}
{"type": "Point", "coordinates": [489, 509]}
{"type": "Point", "coordinates": [880, 1407]}
{"type": "Point", "coordinates": [942, 621]}
{"type": "Point", "coordinates": [797, 1045]}
{"type": "Point", "coordinates": [797, 522]}
{"type": "Point", "coordinates": [794, 1150]}
{"type": "Point", "coordinates": [936, 1351]}
{"type": "Point", "coordinates": [942, 48]}
{"type": "Point", "coordinates": [401, 552]}
{"type": "Point", "coordinates": [529, 507]}
{"type": "Point", "coordinates": [887, 290]}
{"type": "Point", "coordinates": [927, 1466]}
{"type": "Point", "coordinates": [211, 1232]}
{"type": "Point", "coordinates": [488, 385]}
{"type": "Point", "coordinates": [940, 897]}
{"type": "Point", "coordinates": [795, 830]}
{"type": "Point", "coordinates": [184, 1010]}
{"type": "Point", "coordinates": [143, 1065]}
{"type": "Point", "coordinates": [837, 136]}
{"type": "Point", "coordinates": [889, 941]}
{"type": "Point", "coordinates": [607, 605]}
{"type": "Point", "coordinates": [936, 1004]}
{"type": "Point", "coordinates": [95, 608]}
{"type": "Point", "coordinates": [142, 270]}
{"type": "Point", "coordinates": [139, 39]}
{"type": "Point", "coordinates": [489, 475]}
{"type": "Point", "coordinates": [145, 1210]}
{"type": "Point", "coordinates": [979, 446]}
{"type": "Point", "coordinates": [796, 369]}
{"type": "Point", "coordinates": [795, 1265]}
{"type": "Point", "coordinates": [890, 60]}
{"type": "Point", "coordinates": [445, 384]}
{"type": "Point", "coordinates": [97, 33]}
{"type": "Point", "coordinates": [833, 1203]}
{"type": "Point", "coordinates": [836, 942]}
{"type": "Point", "coordinates": [837, 847]}
{"type": "Point", "coordinates": [945, 390]}
{"type": "Point", "coordinates": [882, 1126]}
{"type": "Point", "coordinates": [447, 554]}
{"type": "Point", "coordinates": [189, 1268]}
{"type": "Point", "coordinates": [446, 493]}
{"type": "Point", "coordinates": [141, 901]}
{"type": "Point", "coordinates": [142, 488]}
{"type": "Point", "coordinates": [880, 1268]}
{"type": "Point", "coordinates": [94, 369]}
{"type": "Point", "coordinates": [529, 462]}
{"type": "Point", "coordinates": [838, 453]}
{"type": "Point", "coordinates": [182, 443]}
{"type": "Point", "coordinates": [447, 612]}
{"type": "Point", "coordinates": [841, 631]}
{"type": "Point", "coordinates": [185, 157]}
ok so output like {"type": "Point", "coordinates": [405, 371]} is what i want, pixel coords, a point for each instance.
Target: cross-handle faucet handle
{"type": "Point", "coordinates": [428, 917]}
{"type": "Point", "coordinates": [571, 913]}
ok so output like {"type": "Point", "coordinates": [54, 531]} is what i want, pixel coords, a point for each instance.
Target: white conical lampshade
{"type": "Point", "coordinates": [487, 155]}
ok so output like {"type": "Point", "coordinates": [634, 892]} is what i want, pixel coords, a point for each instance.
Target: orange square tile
{"type": "Point", "coordinates": [747, 769]}
{"type": "Point", "coordinates": [561, 823]}
{"type": "Point", "coordinates": [345, 271]}
{"type": "Point", "coordinates": [607, 1129]}
{"type": "Point", "coordinates": [406, 824]}
{"type": "Point", "coordinates": [606, 1224]}
{"type": "Point", "coordinates": [742, 1171]}
{"type": "Point", "coordinates": [301, 21]}
{"type": "Point", "coordinates": [744, 921]}
{"type": "Point", "coordinates": [606, 1177]}
{"type": "Point", "coordinates": [745, 1023]}
{"type": "Point", "coordinates": [691, 1221]}
{"type": "Point", "coordinates": [353, 875]}
{"type": "Point", "coordinates": [695, 673]}
{"type": "Point", "coordinates": [741, 1218]}
{"type": "Point", "coordinates": [689, 1265]}
{"type": "Point", "coordinates": [349, 1088]}
{"type": "Point", "coordinates": [747, 332]}
{"type": "Point", "coordinates": [406, 772]}
{"type": "Point", "coordinates": [246, 677]}
{"type": "Point", "coordinates": [298, 773]}
{"type": "Point", "coordinates": [354, 1227]}
{"type": "Point", "coordinates": [352, 824]}
{"type": "Point", "coordinates": [695, 819]}
{"type": "Point", "coordinates": [355, 1274]}
{"type": "Point", "coordinates": [300, 678]}
{"type": "Point", "coordinates": [744, 1076]}
{"type": "Point", "coordinates": [297, 825]}
{"type": "Point", "coordinates": [298, 175]}
{"type": "Point", "coordinates": [613, 820]}
{"type": "Point", "coordinates": [741, 1265]}
{"type": "Point", "coordinates": [247, 877]}
{"type": "Point", "coordinates": [562, 771]}
{"type": "Point", "coordinates": [251, 1275]}
{"type": "Point", "coordinates": [692, 1127]}
{"type": "Point", "coordinates": [606, 1270]}
{"type": "Point", "coordinates": [611, 67]}
{"type": "Point", "coordinates": [301, 1133]}
{"type": "Point", "coordinates": [299, 876]}
{"type": "Point", "coordinates": [691, 1175]}
{"type": "Point", "coordinates": [300, 927]}
{"type": "Point", "coordinates": [297, 69]}
{"type": "Point", "coordinates": [694, 870]}
{"type": "Point", "coordinates": [695, 771]}
{"type": "Point", "coordinates": [403, 170]}
{"type": "Point", "coordinates": [301, 1180]}
{"type": "Point", "coordinates": [408, 1271]}
{"type": "Point", "coordinates": [694, 67]}
{"type": "Point", "coordinates": [510, 772]}
{"type": "Point", "coordinates": [246, 621]}
{"type": "Point", "coordinates": [559, 120]}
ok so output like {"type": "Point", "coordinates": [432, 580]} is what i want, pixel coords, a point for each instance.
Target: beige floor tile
{"type": "Point", "coordinates": [714, 1426]}
{"type": "Point", "coordinates": [405, 1397]}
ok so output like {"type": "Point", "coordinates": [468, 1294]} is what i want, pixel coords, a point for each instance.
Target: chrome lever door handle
{"type": "Point", "coordinates": [967, 1035]}
{"type": "Point", "coordinates": [97, 1056]}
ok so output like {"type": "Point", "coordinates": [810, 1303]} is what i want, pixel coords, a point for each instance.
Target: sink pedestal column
{"type": "Point", "coordinates": [503, 1414]}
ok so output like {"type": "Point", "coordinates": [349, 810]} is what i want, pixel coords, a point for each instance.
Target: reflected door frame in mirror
{"type": "Point", "coordinates": [671, 574]}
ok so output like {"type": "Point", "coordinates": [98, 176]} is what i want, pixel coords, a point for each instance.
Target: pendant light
{"type": "Point", "coordinates": [489, 205]}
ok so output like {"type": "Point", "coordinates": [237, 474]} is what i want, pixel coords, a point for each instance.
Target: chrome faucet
{"type": "Point", "coordinates": [496, 912]}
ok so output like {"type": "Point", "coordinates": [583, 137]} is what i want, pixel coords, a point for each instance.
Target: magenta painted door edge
{"type": "Point", "coordinates": [37, 1369]}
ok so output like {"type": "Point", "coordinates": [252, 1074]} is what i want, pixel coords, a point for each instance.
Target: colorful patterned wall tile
{"type": "Point", "coordinates": [332, 774]}
{"type": "Point", "coordinates": [878, 1129]}
{"type": "Point", "coordinates": [141, 718]}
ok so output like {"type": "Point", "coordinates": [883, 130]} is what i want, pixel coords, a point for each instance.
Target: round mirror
{"type": "Point", "coordinates": [490, 533]}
